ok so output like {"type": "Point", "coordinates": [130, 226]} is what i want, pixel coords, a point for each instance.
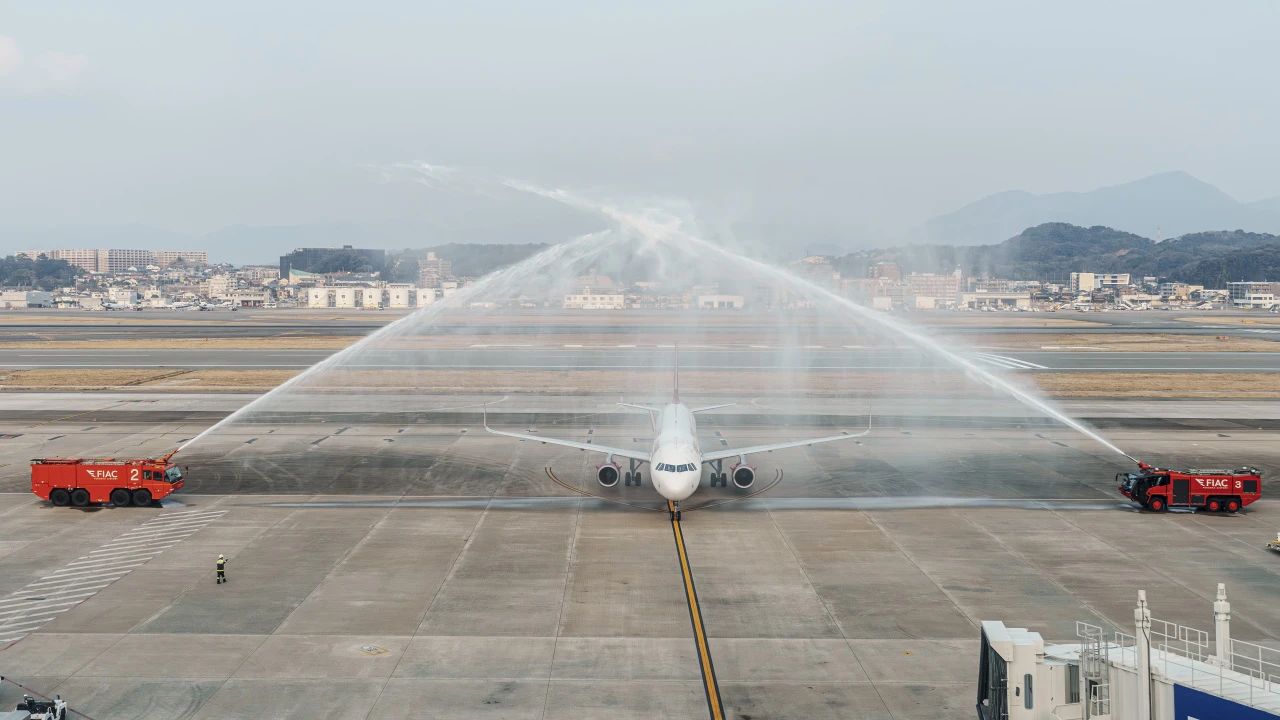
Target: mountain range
{"type": "Point", "coordinates": [1165, 205]}
{"type": "Point", "coordinates": [1170, 204]}
{"type": "Point", "coordinates": [1051, 251]}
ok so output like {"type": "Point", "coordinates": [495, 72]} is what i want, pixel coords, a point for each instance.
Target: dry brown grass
{"type": "Point", "coordinates": [1160, 385]}
{"type": "Point", "coordinates": [320, 342]}
{"type": "Point", "coordinates": [1259, 319]}
{"type": "Point", "coordinates": [744, 384]}
{"type": "Point", "coordinates": [1124, 342]}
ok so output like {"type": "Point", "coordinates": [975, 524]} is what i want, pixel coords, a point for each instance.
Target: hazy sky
{"type": "Point", "coordinates": [843, 118]}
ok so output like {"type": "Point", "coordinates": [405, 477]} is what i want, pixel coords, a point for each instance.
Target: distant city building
{"type": "Point", "coordinates": [316, 260]}
{"type": "Point", "coordinates": [259, 273]}
{"type": "Point", "coordinates": [103, 260]}
{"type": "Point", "coordinates": [587, 300]}
{"type": "Point", "coordinates": [433, 271]}
{"type": "Point", "coordinates": [1253, 294]}
{"type": "Point", "coordinates": [996, 299]}
{"type": "Point", "coordinates": [219, 286]}
{"type": "Point", "coordinates": [941, 289]}
{"type": "Point", "coordinates": [721, 302]}
{"type": "Point", "coordinates": [18, 299]}
{"type": "Point", "coordinates": [1178, 291]}
{"type": "Point", "coordinates": [165, 258]}
{"type": "Point", "coordinates": [887, 270]}
{"type": "Point", "coordinates": [1084, 282]}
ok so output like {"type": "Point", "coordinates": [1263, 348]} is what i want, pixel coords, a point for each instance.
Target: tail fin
{"type": "Point", "coordinates": [675, 392]}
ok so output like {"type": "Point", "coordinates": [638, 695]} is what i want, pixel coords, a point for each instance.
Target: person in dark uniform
{"type": "Point", "coordinates": [222, 569]}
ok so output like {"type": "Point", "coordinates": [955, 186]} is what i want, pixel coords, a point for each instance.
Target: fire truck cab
{"type": "Point", "coordinates": [1158, 489]}
{"type": "Point", "coordinates": [80, 482]}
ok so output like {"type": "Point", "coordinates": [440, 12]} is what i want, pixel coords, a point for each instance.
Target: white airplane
{"type": "Point", "coordinates": [675, 458]}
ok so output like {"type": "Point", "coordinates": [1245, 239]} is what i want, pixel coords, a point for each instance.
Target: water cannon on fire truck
{"type": "Point", "coordinates": [1158, 489]}
{"type": "Point", "coordinates": [81, 481]}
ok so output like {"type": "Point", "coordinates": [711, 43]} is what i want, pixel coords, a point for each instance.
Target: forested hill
{"type": "Point", "coordinates": [1053, 251]}
{"type": "Point", "coordinates": [42, 274]}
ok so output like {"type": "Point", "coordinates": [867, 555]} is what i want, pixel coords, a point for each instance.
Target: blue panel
{"type": "Point", "coordinates": [1191, 704]}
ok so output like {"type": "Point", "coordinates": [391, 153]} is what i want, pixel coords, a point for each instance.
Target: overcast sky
{"type": "Point", "coordinates": [849, 118]}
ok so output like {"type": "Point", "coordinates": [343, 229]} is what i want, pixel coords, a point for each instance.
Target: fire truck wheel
{"type": "Point", "coordinates": [120, 497]}
{"type": "Point", "coordinates": [79, 497]}
{"type": "Point", "coordinates": [59, 497]}
{"type": "Point", "coordinates": [142, 497]}
{"type": "Point", "coordinates": [1214, 505]}
{"type": "Point", "coordinates": [1233, 505]}
{"type": "Point", "coordinates": [1156, 504]}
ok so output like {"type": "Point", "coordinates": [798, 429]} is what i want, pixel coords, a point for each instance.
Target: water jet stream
{"type": "Point", "coordinates": [668, 230]}
{"type": "Point", "coordinates": [575, 250]}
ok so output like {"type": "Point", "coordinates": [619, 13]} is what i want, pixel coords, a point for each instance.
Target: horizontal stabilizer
{"type": "Point", "coordinates": [711, 407]}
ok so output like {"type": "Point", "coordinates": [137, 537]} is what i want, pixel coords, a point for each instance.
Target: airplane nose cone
{"type": "Point", "coordinates": [677, 487]}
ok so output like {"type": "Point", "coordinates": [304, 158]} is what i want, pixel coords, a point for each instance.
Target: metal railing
{"type": "Point", "coordinates": [1250, 674]}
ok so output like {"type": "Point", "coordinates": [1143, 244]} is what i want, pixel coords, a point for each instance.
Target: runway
{"type": "Point", "coordinates": [386, 553]}
{"type": "Point", "coordinates": [625, 356]}
{"type": "Point", "coordinates": [392, 555]}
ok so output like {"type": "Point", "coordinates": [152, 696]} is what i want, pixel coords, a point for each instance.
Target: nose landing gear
{"type": "Point", "coordinates": [673, 510]}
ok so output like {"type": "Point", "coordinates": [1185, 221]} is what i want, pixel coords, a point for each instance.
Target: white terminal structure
{"type": "Point", "coordinates": [1163, 671]}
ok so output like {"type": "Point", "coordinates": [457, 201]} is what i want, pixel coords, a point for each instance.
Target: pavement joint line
{"type": "Point", "coordinates": [903, 551]}
{"type": "Point", "coordinates": [826, 606]}
{"type": "Point", "coordinates": [571, 554]}
{"type": "Point", "coordinates": [1196, 592]}
{"type": "Point", "coordinates": [466, 543]}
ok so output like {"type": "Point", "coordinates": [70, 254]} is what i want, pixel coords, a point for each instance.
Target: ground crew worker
{"type": "Point", "coordinates": [222, 569]}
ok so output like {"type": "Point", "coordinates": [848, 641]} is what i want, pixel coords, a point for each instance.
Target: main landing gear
{"type": "Point", "coordinates": [633, 476]}
{"type": "Point", "coordinates": [718, 475]}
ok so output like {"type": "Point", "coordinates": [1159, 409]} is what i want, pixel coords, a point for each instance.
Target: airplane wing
{"type": "Point", "coordinates": [641, 455]}
{"type": "Point", "coordinates": [755, 449]}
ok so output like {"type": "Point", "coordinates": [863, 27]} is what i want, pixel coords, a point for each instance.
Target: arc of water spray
{"type": "Point", "coordinates": [572, 250]}
{"type": "Point", "coordinates": [666, 230]}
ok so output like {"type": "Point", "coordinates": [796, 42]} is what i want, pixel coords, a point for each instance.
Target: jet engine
{"type": "Point", "coordinates": [743, 476]}
{"type": "Point", "coordinates": [607, 475]}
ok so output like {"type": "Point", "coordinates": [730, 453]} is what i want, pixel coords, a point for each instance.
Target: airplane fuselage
{"type": "Point", "coordinates": [676, 465]}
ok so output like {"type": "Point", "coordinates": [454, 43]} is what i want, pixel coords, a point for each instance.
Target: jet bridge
{"type": "Point", "coordinates": [1162, 671]}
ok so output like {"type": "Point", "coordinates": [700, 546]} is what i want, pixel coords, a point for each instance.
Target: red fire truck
{"type": "Point", "coordinates": [79, 482]}
{"type": "Point", "coordinates": [1158, 489]}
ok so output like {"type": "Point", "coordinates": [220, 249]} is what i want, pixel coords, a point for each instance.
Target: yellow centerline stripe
{"type": "Point", "coordinates": [709, 683]}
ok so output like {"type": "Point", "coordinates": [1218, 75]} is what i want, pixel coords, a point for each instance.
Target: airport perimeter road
{"type": "Point", "coordinates": [534, 357]}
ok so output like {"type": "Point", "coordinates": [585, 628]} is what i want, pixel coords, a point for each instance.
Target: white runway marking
{"type": "Point", "coordinates": [25, 611]}
{"type": "Point", "coordinates": [1008, 362]}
